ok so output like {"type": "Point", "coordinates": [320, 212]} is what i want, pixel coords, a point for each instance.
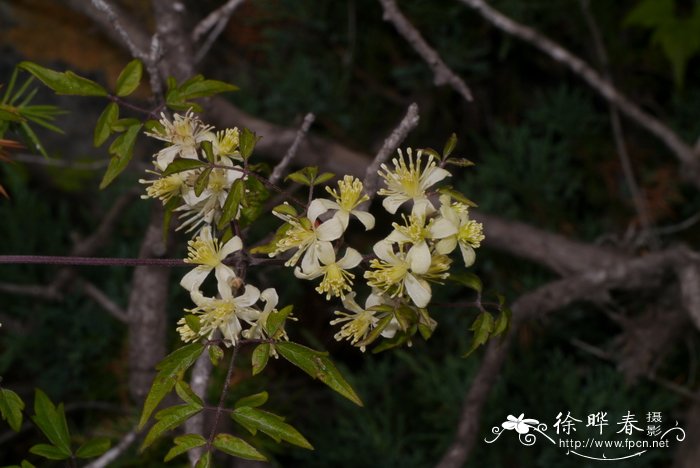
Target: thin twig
{"type": "Point", "coordinates": [282, 166]}
{"type": "Point", "coordinates": [442, 73]}
{"type": "Point", "coordinates": [107, 9]}
{"type": "Point", "coordinates": [618, 135]}
{"type": "Point", "coordinates": [675, 228]}
{"type": "Point", "coordinates": [683, 151]}
{"type": "Point", "coordinates": [115, 452]}
{"type": "Point", "coordinates": [96, 294]}
{"type": "Point", "coordinates": [89, 261]}
{"type": "Point", "coordinates": [224, 393]}
{"type": "Point", "coordinates": [398, 135]}
{"type": "Point", "coordinates": [220, 15]}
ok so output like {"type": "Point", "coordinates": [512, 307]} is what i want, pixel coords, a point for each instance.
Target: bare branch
{"type": "Point", "coordinates": [32, 290]}
{"type": "Point", "coordinates": [96, 294]}
{"type": "Point", "coordinates": [137, 51]}
{"type": "Point", "coordinates": [442, 73]}
{"type": "Point", "coordinates": [683, 151]}
{"type": "Point", "coordinates": [199, 381]}
{"type": "Point", "coordinates": [282, 166]}
{"type": "Point", "coordinates": [397, 136]}
{"type": "Point", "coordinates": [220, 15]}
{"type": "Point", "coordinates": [115, 452]}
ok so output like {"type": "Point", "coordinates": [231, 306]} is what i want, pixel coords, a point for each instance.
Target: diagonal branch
{"type": "Point", "coordinates": [218, 16]}
{"type": "Point", "coordinates": [284, 163]}
{"type": "Point", "coordinates": [443, 75]}
{"type": "Point", "coordinates": [683, 151]}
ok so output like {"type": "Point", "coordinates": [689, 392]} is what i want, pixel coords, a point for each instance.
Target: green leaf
{"type": "Point", "coordinates": [49, 451]}
{"type": "Point", "coordinates": [461, 162]}
{"type": "Point", "coordinates": [237, 447]}
{"type": "Point", "coordinates": [202, 181]}
{"type": "Point", "coordinates": [426, 324]}
{"type": "Point", "coordinates": [232, 203]}
{"type": "Point", "coordinates": [325, 177]}
{"type": "Point", "coordinates": [26, 464]}
{"type": "Point", "coordinates": [270, 424]}
{"type": "Point", "coordinates": [275, 320]}
{"type": "Point", "coordinates": [246, 143]}
{"type": "Point", "coordinates": [51, 420]}
{"type": "Point", "coordinates": [182, 164]}
{"type": "Point", "coordinates": [309, 176]}
{"type": "Point", "coordinates": [129, 79]}
{"type": "Point", "coordinates": [254, 401]}
{"type": "Point", "coordinates": [93, 448]}
{"type": "Point", "coordinates": [185, 392]}
{"type": "Point", "coordinates": [204, 461]}
{"type": "Point", "coordinates": [175, 363]}
{"type": "Point", "coordinates": [376, 331]}
{"type": "Point", "coordinates": [456, 195]}
{"type": "Point", "coordinates": [215, 354]}
{"type": "Point", "coordinates": [32, 139]}
{"type": "Point", "coordinates": [467, 279]}
{"type": "Point", "coordinates": [124, 124]}
{"type": "Point", "coordinates": [184, 443]}
{"type": "Point", "coordinates": [11, 406]}
{"type": "Point", "coordinates": [285, 208]}
{"type": "Point", "coordinates": [198, 87]}
{"type": "Point", "coordinates": [64, 82]}
{"type": "Point", "coordinates": [319, 366]}
{"type": "Point", "coordinates": [502, 322]}
{"type": "Point", "coordinates": [169, 419]}
{"type": "Point", "coordinates": [261, 354]}
{"type": "Point", "coordinates": [449, 146]}
{"type": "Point", "coordinates": [103, 128]}
{"type": "Point", "coordinates": [193, 322]}
{"type": "Point", "coordinates": [482, 327]}
{"type": "Point", "coordinates": [651, 13]}
{"type": "Point", "coordinates": [121, 149]}
{"type": "Point", "coordinates": [208, 151]}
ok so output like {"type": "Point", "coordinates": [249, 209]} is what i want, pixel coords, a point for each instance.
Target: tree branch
{"type": "Point", "coordinates": [442, 73]}
{"type": "Point", "coordinates": [220, 15]}
{"type": "Point", "coordinates": [115, 452]}
{"type": "Point", "coordinates": [683, 151]}
{"type": "Point", "coordinates": [281, 168]}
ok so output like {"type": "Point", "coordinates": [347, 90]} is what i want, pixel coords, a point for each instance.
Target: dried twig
{"type": "Point", "coordinates": [96, 294]}
{"type": "Point", "coordinates": [397, 136]}
{"type": "Point", "coordinates": [115, 452]}
{"type": "Point", "coordinates": [215, 22]}
{"type": "Point", "coordinates": [442, 73]}
{"type": "Point", "coordinates": [683, 151]}
{"type": "Point", "coordinates": [284, 163]}
{"type": "Point", "coordinates": [116, 22]}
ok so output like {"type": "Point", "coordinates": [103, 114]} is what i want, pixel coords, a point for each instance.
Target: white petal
{"type": "Point", "coordinates": [397, 236]}
{"type": "Point", "coordinates": [224, 274]}
{"type": "Point", "coordinates": [446, 245]}
{"type": "Point", "coordinates": [309, 262]}
{"type": "Point", "coordinates": [418, 290]}
{"type": "Point", "coordinates": [249, 297]}
{"type": "Point", "coordinates": [270, 297]}
{"type": "Point", "coordinates": [330, 230]}
{"type": "Point", "coordinates": [385, 251]}
{"type": "Point", "coordinates": [232, 245]}
{"type": "Point", "coordinates": [391, 329]}
{"type": "Point", "coordinates": [195, 277]}
{"type": "Point", "coordinates": [422, 207]}
{"type": "Point", "coordinates": [316, 208]}
{"type": "Point", "coordinates": [205, 234]}
{"type": "Point", "coordinates": [433, 176]}
{"type": "Point", "coordinates": [373, 300]}
{"type": "Point", "coordinates": [468, 254]}
{"type": "Point", "coordinates": [350, 304]}
{"type": "Point", "coordinates": [351, 259]}
{"type": "Point", "coordinates": [231, 329]}
{"type": "Point", "coordinates": [419, 258]}
{"type": "Point", "coordinates": [393, 202]}
{"type": "Point", "coordinates": [166, 156]}
{"type": "Point", "coordinates": [365, 218]}
{"type": "Point", "coordinates": [325, 252]}
{"type": "Point", "coordinates": [313, 273]}
{"type": "Point", "coordinates": [442, 228]}
{"type": "Point", "coordinates": [343, 218]}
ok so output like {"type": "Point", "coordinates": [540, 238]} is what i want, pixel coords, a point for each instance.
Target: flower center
{"type": "Point", "coordinates": [203, 252]}
{"type": "Point", "coordinates": [471, 233]}
{"type": "Point", "coordinates": [350, 193]}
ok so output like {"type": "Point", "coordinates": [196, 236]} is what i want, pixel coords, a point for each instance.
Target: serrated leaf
{"type": "Point", "coordinates": [270, 424]}
{"type": "Point", "coordinates": [184, 443]}
{"type": "Point", "coordinates": [232, 204]}
{"type": "Point", "coordinates": [215, 354]}
{"type": "Point", "coordinates": [103, 127]}
{"type": "Point", "coordinates": [319, 366]}
{"type": "Point", "coordinates": [64, 82]}
{"type": "Point", "coordinates": [467, 279]}
{"type": "Point", "coordinates": [246, 143]}
{"type": "Point", "coordinates": [51, 420]}
{"type": "Point", "coordinates": [261, 354]}
{"type": "Point", "coordinates": [175, 363]}
{"type": "Point", "coordinates": [185, 392]}
{"type": "Point", "coordinates": [182, 164]}
{"type": "Point", "coordinates": [121, 149]}
{"type": "Point", "coordinates": [129, 78]}
{"type": "Point", "coordinates": [49, 452]}
{"type": "Point", "coordinates": [93, 448]}
{"type": "Point", "coordinates": [11, 406]}
{"type": "Point", "coordinates": [253, 401]}
{"type": "Point", "coordinates": [170, 418]}
{"type": "Point", "coordinates": [449, 146]}
{"type": "Point", "coordinates": [237, 447]}
{"type": "Point", "coordinates": [482, 327]}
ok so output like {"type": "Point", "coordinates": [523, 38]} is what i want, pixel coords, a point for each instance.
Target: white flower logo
{"type": "Point", "coordinates": [521, 426]}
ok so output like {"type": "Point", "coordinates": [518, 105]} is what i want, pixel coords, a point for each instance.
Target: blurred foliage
{"type": "Point", "coordinates": [544, 153]}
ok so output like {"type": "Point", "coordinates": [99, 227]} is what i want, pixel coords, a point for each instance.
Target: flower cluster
{"type": "Point", "coordinates": [405, 263]}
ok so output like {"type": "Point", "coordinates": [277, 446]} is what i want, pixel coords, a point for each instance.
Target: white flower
{"type": "Point", "coordinates": [305, 236]}
{"type": "Point", "coordinates": [416, 232]}
{"type": "Point", "coordinates": [336, 278]}
{"type": "Point", "coordinates": [257, 331]}
{"type": "Point", "coordinates": [347, 199]}
{"type": "Point", "coordinates": [358, 323]}
{"type": "Point", "coordinates": [521, 426]}
{"type": "Point", "coordinates": [208, 253]}
{"type": "Point", "coordinates": [225, 313]}
{"type": "Point", "coordinates": [409, 182]}
{"type": "Point", "coordinates": [454, 227]}
{"type": "Point", "coordinates": [164, 188]}
{"type": "Point", "coordinates": [225, 144]}
{"type": "Point", "coordinates": [184, 133]}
